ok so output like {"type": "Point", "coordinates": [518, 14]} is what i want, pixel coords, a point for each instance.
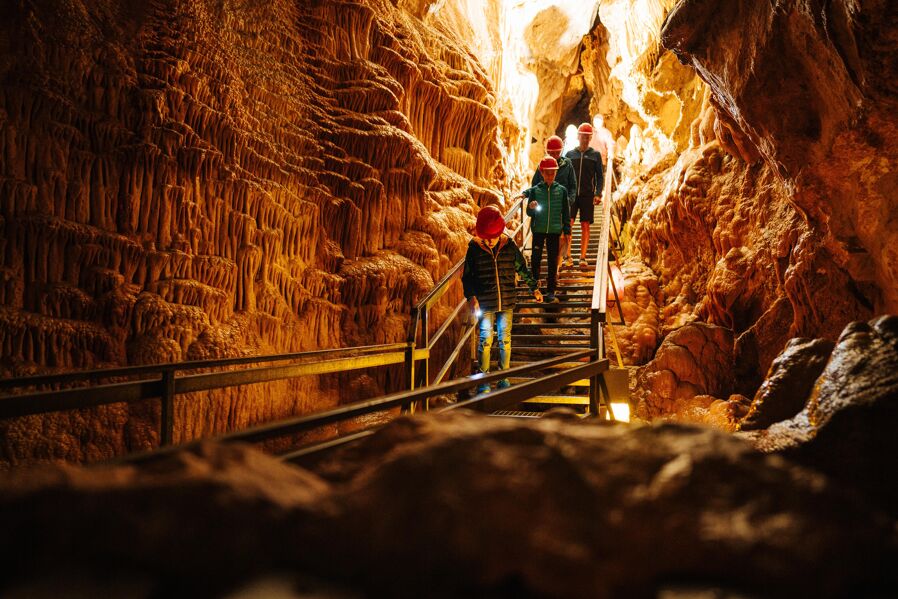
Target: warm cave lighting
{"type": "Point", "coordinates": [570, 138]}
{"type": "Point", "coordinates": [621, 412]}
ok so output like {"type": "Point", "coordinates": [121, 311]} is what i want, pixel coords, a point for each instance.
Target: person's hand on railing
{"type": "Point", "coordinates": [533, 205]}
{"type": "Point", "coordinates": [475, 307]}
{"type": "Point", "coordinates": [538, 296]}
{"type": "Point", "coordinates": [597, 200]}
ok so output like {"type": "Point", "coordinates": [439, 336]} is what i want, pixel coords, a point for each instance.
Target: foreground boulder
{"type": "Point", "coordinates": [789, 383]}
{"type": "Point", "coordinates": [463, 504]}
{"type": "Point", "coordinates": [848, 427]}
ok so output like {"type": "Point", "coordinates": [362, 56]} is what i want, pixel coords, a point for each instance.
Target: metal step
{"type": "Point", "coordinates": [552, 325]}
{"type": "Point", "coordinates": [559, 400]}
{"type": "Point", "coordinates": [580, 383]}
{"type": "Point", "coordinates": [549, 349]}
{"type": "Point", "coordinates": [561, 289]}
{"type": "Point", "coordinates": [517, 414]}
{"type": "Point", "coordinates": [559, 304]}
{"type": "Point", "coordinates": [525, 337]}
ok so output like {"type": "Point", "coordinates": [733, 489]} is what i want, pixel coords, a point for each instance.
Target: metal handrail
{"type": "Point", "coordinates": [168, 385]}
{"type": "Point", "coordinates": [600, 280]}
{"type": "Point", "coordinates": [157, 369]}
{"type": "Point", "coordinates": [387, 402]}
{"type": "Point", "coordinates": [495, 401]}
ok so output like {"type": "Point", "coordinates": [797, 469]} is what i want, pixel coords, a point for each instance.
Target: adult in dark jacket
{"type": "Point", "coordinates": [587, 165]}
{"type": "Point", "coordinates": [490, 287]}
{"type": "Point", "coordinates": [565, 176]}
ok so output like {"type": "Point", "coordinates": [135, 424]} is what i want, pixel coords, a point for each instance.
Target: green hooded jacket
{"type": "Point", "coordinates": [553, 212]}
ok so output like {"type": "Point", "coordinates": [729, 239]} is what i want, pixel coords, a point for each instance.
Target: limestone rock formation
{"type": "Point", "coordinates": [695, 360]}
{"type": "Point", "coordinates": [499, 507]}
{"type": "Point", "coordinates": [847, 427]}
{"type": "Point", "coordinates": [187, 180]}
{"type": "Point", "coordinates": [810, 90]}
{"type": "Point", "coordinates": [775, 220]}
{"type": "Point", "coordinates": [638, 289]}
{"type": "Point", "coordinates": [789, 383]}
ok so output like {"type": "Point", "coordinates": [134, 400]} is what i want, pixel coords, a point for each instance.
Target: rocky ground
{"type": "Point", "coordinates": [463, 504]}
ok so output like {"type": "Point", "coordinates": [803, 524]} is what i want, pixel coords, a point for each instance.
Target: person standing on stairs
{"type": "Point", "coordinates": [490, 287]}
{"type": "Point", "coordinates": [589, 176]}
{"type": "Point", "coordinates": [565, 176]}
{"type": "Point", "coordinates": [549, 213]}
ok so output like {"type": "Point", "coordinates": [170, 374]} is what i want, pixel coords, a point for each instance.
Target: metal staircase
{"type": "Point", "coordinates": [544, 330]}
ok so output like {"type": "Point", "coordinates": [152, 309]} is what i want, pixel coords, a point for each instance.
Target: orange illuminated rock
{"type": "Point", "coordinates": [286, 176]}
{"type": "Point", "coordinates": [695, 360]}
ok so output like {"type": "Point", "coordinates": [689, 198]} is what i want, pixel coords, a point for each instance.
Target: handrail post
{"type": "Point", "coordinates": [167, 415]}
{"type": "Point", "coordinates": [425, 333]}
{"type": "Point", "coordinates": [594, 345]}
{"type": "Point", "coordinates": [410, 366]}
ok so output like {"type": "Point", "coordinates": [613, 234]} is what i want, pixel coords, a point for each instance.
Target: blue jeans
{"type": "Point", "coordinates": [485, 340]}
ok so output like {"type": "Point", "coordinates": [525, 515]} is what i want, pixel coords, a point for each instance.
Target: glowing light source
{"type": "Point", "coordinates": [621, 412]}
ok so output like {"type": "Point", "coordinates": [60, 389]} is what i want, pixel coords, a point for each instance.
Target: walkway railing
{"type": "Point", "coordinates": [165, 381]}
{"type": "Point", "coordinates": [601, 281]}
{"type": "Point", "coordinates": [42, 394]}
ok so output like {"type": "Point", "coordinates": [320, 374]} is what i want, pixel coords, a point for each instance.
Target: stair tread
{"type": "Point", "coordinates": [577, 400]}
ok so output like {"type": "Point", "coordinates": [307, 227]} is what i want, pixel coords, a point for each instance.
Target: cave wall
{"type": "Point", "coordinates": [194, 180]}
{"type": "Point", "coordinates": [777, 219]}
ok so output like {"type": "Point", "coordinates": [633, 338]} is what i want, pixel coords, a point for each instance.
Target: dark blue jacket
{"type": "Point", "coordinates": [588, 172]}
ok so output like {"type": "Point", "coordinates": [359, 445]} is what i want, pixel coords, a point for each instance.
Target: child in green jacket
{"type": "Point", "coordinates": [549, 212]}
{"type": "Point", "coordinates": [565, 176]}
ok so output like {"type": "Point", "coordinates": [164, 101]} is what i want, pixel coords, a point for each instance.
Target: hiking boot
{"type": "Point", "coordinates": [584, 262]}
{"type": "Point", "coordinates": [484, 388]}
{"type": "Point", "coordinates": [551, 298]}
{"type": "Point", "coordinates": [568, 261]}
{"type": "Point", "coordinates": [503, 384]}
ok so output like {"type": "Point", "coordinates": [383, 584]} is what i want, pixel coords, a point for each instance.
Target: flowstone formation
{"type": "Point", "coordinates": [193, 180]}
{"type": "Point", "coordinates": [775, 218]}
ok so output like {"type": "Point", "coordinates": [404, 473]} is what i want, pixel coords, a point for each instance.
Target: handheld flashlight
{"type": "Point", "coordinates": [539, 208]}
{"type": "Point", "coordinates": [478, 312]}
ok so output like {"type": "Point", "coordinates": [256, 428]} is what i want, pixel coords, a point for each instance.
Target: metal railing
{"type": "Point", "coordinates": [601, 280]}
{"type": "Point", "coordinates": [494, 401]}
{"type": "Point", "coordinates": [164, 382]}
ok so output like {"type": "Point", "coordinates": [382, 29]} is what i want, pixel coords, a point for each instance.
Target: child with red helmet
{"type": "Point", "coordinates": [565, 176]}
{"type": "Point", "coordinates": [549, 213]}
{"type": "Point", "coordinates": [490, 287]}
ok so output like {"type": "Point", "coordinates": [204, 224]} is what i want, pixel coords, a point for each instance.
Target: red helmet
{"type": "Point", "coordinates": [548, 164]}
{"type": "Point", "coordinates": [554, 145]}
{"type": "Point", "coordinates": [490, 223]}
{"type": "Point", "coordinates": [585, 128]}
